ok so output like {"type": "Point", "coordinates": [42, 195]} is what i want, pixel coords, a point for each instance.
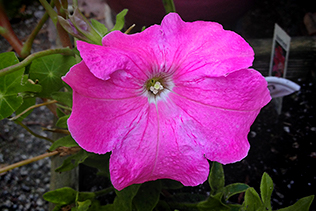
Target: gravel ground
{"type": "Point", "coordinates": [22, 188]}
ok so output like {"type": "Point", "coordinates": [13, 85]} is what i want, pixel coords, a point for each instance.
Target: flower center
{"type": "Point", "coordinates": [154, 85]}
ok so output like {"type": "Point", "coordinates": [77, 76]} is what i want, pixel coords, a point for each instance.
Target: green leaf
{"type": "Point", "coordinates": [99, 27]}
{"type": "Point", "coordinates": [63, 97]}
{"type": "Point", "coordinates": [213, 203]}
{"type": "Point", "coordinates": [27, 86]}
{"type": "Point", "coordinates": [28, 102]}
{"type": "Point", "coordinates": [302, 205]}
{"type": "Point", "coordinates": [171, 184]}
{"type": "Point", "coordinates": [119, 24]}
{"type": "Point", "coordinates": [100, 162]}
{"type": "Point", "coordinates": [147, 196]}
{"type": "Point", "coordinates": [61, 196]}
{"type": "Point", "coordinates": [10, 86]}
{"type": "Point", "coordinates": [83, 206]}
{"type": "Point", "coordinates": [48, 70]}
{"type": "Point", "coordinates": [124, 198]}
{"type": "Point", "coordinates": [266, 188]}
{"type": "Point", "coordinates": [73, 161]}
{"type": "Point", "coordinates": [216, 178]}
{"type": "Point", "coordinates": [232, 189]}
{"type": "Point", "coordinates": [252, 200]}
{"type": "Point", "coordinates": [66, 141]}
{"type": "Point", "coordinates": [62, 122]}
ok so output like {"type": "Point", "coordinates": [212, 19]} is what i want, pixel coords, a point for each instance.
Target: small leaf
{"type": "Point", "coordinates": [63, 97]}
{"type": "Point", "coordinates": [216, 178]}
{"type": "Point", "coordinates": [62, 122]}
{"type": "Point", "coordinates": [233, 189]}
{"type": "Point", "coordinates": [213, 203]}
{"type": "Point", "coordinates": [66, 141]}
{"type": "Point", "coordinates": [28, 102]}
{"type": "Point", "coordinates": [62, 196]}
{"type": "Point", "coordinates": [147, 196]}
{"type": "Point", "coordinates": [302, 205]}
{"type": "Point", "coordinates": [124, 198]}
{"type": "Point", "coordinates": [10, 86]}
{"type": "Point", "coordinates": [119, 24]}
{"type": "Point", "coordinates": [171, 184]}
{"type": "Point", "coordinates": [48, 70]}
{"type": "Point", "coordinates": [27, 86]}
{"type": "Point", "coordinates": [252, 200]}
{"type": "Point", "coordinates": [101, 29]}
{"type": "Point", "coordinates": [83, 206]}
{"type": "Point", "coordinates": [100, 162]}
{"type": "Point", "coordinates": [266, 188]}
{"type": "Point", "coordinates": [73, 161]}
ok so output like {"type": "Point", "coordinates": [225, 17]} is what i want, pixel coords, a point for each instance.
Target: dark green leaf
{"type": "Point", "coordinates": [124, 198]}
{"type": "Point", "coordinates": [48, 70]}
{"type": "Point", "coordinates": [147, 196]}
{"type": "Point", "coordinates": [73, 161]}
{"type": "Point", "coordinates": [233, 189]}
{"type": "Point", "coordinates": [302, 205]}
{"type": "Point", "coordinates": [216, 178]}
{"type": "Point", "coordinates": [66, 141]}
{"type": "Point", "coordinates": [27, 86]}
{"type": "Point", "coordinates": [28, 102]}
{"type": "Point", "coordinates": [213, 203]}
{"type": "Point", "coordinates": [83, 206]}
{"type": "Point", "coordinates": [266, 188]}
{"type": "Point", "coordinates": [101, 29]}
{"type": "Point", "coordinates": [252, 200]}
{"type": "Point", "coordinates": [100, 162]}
{"type": "Point", "coordinates": [62, 122]}
{"type": "Point", "coordinates": [171, 184]}
{"type": "Point", "coordinates": [119, 24]}
{"type": "Point", "coordinates": [10, 86]}
{"type": "Point", "coordinates": [63, 97]}
{"type": "Point", "coordinates": [62, 196]}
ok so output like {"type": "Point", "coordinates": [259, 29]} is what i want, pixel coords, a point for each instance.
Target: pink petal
{"type": "Point", "coordinates": [157, 150]}
{"type": "Point", "coordinates": [103, 111]}
{"type": "Point", "coordinates": [241, 90]}
{"type": "Point", "coordinates": [220, 111]}
{"type": "Point", "coordinates": [203, 48]}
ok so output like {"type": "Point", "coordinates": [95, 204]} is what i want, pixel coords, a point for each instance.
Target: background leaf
{"type": "Point", "coordinates": [147, 196]}
{"type": "Point", "coordinates": [302, 205]}
{"type": "Point", "coordinates": [10, 86]}
{"type": "Point", "coordinates": [266, 188]}
{"type": "Point", "coordinates": [73, 161]}
{"type": "Point", "coordinates": [232, 189]}
{"type": "Point", "coordinates": [102, 30]}
{"type": "Point", "coordinates": [120, 20]}
{"type": "Point", "coordinates": [216, 177]}
{"type": "Point", "coordinates": [252, 200]}
{"type": "Point", "coordinates": [62, 196]}
{"type": "Point", "coordinates": [48, 70]}
{"type": "Point", "coordinates": [124, 198]}
{"type": "Point", "coordinates": [66, 141]}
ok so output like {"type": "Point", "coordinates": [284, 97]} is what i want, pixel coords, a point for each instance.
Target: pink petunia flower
{"type": "Point", "coordinates": [165, 100]}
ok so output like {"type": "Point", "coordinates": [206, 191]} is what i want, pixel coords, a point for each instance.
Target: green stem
{"type": "Point", "coordinates": [49, 9]}
{"type": "Point", "coordinates": [29, 59]}
{"type": "Point", "coordinates": [27, 46]}
{"type": "Point", "coordinates": [104, 191]}
{"type": "Point", "coordinates": [34, 134]}
{"type": "Point", "coordinates": [169, 6]}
